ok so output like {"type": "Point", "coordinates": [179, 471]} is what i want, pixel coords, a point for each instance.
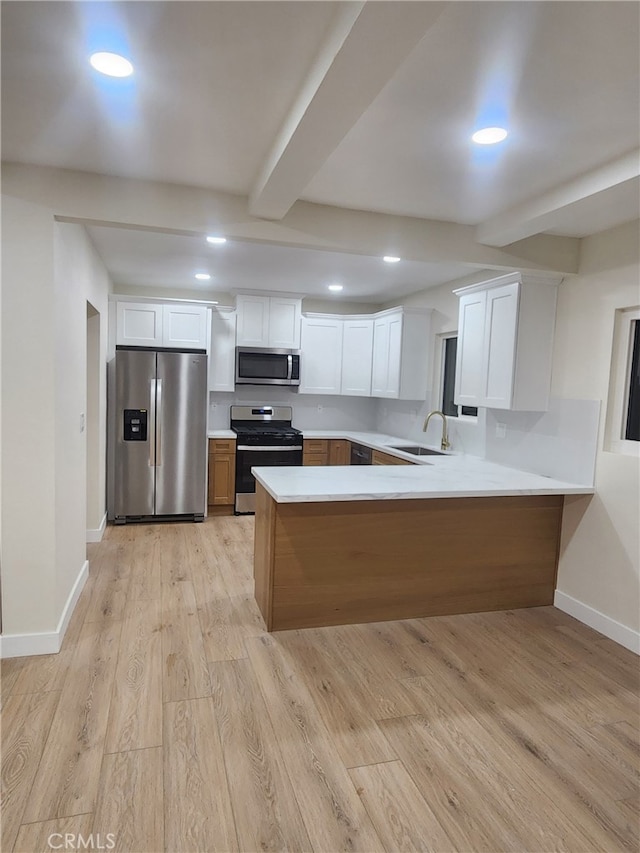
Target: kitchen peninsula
{"type": "Point", "coordinates": [456, 534]}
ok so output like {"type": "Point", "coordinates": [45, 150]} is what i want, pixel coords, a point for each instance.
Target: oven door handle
{"type": "Point", "coordinates": [269, 448]}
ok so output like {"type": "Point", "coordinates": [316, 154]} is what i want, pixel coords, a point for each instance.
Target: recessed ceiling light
{"type": "Point", "coordinates": [216, 240]}
{"type": "Point", "coordinates": [336, 288]}
{"type": "Point", "coordinates": [111, 64]}
{"type": "Point", "coordinates": [203, 276]}
{"type": "Point", "coordinates": [489, 135]}
{"type": "Point", "coordinates": [390, 259]}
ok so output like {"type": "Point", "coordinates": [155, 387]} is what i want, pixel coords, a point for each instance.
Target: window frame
{"type": "Point", "coordinates": [443, 338]}
{"type": "Point", "coordinates": [619, 383]}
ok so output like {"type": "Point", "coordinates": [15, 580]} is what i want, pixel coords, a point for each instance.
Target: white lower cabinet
{"type": "Point", "coordinates": [321, 356]}
{"type": "Point", "coordinates": [505, 343]}
{"type": "Point", "coordinates": [149, 324]}
{"type": "Point", "coordinates": [222, 350]}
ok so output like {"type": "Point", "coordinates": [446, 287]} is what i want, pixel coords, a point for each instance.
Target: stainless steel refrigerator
{"type": "Point", "coordinates": [157, 435]}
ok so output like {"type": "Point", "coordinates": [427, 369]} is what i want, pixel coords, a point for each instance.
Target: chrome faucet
{"type": "Point", "coordinates": [444, 443]}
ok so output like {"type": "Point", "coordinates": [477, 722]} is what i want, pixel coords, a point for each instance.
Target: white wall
{"type": "Point", "coordinates": [28, 419]}
{"type": "Point", "coordinates": [80, 277]}
{"type": "Point", "coordinates": [599, 561]}
{"type": "Point", "coordinates": [49, 271]}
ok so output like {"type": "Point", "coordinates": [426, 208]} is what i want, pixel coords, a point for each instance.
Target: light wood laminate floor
{"type": "Point", "coordinates": [173, 721]}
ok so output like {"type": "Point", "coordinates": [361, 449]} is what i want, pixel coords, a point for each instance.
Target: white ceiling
{"type": "Point", "coordinates": [365, 106]}
{"type": "Point", "coordinates": [151, 259]}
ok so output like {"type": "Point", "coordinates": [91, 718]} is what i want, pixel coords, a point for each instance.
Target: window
{"type": "Point", "coordinates": [623, 409]}
{"type": "Point", "coordinates": [450, 347]}
{"type": "Point", "coordinates": [632, 429]}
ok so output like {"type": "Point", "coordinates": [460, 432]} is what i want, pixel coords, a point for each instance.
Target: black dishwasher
{"type": "Point", "coordinates": [360, 455]}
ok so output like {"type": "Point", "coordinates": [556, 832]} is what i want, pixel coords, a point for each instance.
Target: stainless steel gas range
{"type": "Point", "coordinates": [264, 437]}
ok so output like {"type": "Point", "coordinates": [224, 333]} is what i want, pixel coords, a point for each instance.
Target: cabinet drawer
{"type": "Point", "coordinates": [222, 445]}
{"type": "Point", "coordinates": [315, 445]}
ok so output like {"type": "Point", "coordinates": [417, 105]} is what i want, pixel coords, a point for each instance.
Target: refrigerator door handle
{"type": "Point", "coordinates": [158, 422]}
{"type": "Point", "coordinates": [152, 423]}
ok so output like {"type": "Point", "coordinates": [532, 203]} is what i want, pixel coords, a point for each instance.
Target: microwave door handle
{"type": "Point", "coordinates": [289, 367]}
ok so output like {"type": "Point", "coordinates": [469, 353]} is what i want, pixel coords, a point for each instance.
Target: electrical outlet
{"type": "Point", "coordinates": [501, 430]}
{"type": "Point", "coordinates": [81, 421]}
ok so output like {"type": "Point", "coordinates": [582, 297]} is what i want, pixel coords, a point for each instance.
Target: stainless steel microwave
{"type": "Point", "coordinates": [264, 366]}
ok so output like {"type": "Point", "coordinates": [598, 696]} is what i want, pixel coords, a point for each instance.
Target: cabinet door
{"type": "Point", "coordinates": [222, 353]}
{"type": "Point", "coordinates": [184, 326]}
{"type": "Point", "coordinates": [321, 361]}
{"type": "Point", "coordinates": [139, 324]}
{"type": "Point", "coordinates": [339, 452]}
{"type": "Point", "coordinates": [284, 323]}
{"type": "Point", "coordinates": [469, 370]}
{"type": "Point", "coordinates": [222, 472]}
{"type": "Point", "coordinates": [253, 321]}
{"type": "Point", "coordinates": [499, 355]}
{"type": "Point", "coordinates": [395, 356]}
{"type": "Point", "coordinates": [357, 358]}
{"type": "Point", "coordinates": [380, 368]}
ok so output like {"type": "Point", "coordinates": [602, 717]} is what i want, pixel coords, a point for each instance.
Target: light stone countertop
{"type": "Point", "coordinates": [449, 476]}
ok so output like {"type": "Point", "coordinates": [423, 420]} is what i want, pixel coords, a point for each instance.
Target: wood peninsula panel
{"type": "Point", "coordinates": [263, 554]}
{"type": "Point", "coordinates": [369, 561]}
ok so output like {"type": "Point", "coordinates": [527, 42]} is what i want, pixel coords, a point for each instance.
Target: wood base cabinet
{"type": "Point", "coordinates": [222, 473]}
{"type": "Point", "coordinates": [338, 563]}
{"type": "Point", "coordinates": [324, 451]}
{"type": "Point", "coordinates": [380, 458]}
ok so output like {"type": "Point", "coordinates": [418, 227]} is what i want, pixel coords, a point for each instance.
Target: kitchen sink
{"type": "Point", "coordinates": [417, 451]}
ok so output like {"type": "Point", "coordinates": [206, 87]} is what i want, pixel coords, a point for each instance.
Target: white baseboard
{"type": "Point", "coordinates": [617, 632]}
{"type": "Point", "coordinates": [21, 645]}
{"type": "Point", "coordinates": [95, 534]}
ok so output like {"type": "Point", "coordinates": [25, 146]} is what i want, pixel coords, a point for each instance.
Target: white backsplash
{"type": "Point", "coordinates": [310, 411]}
{"type": "Point", "coordinates": [405, 419]}
{"type": "Point", "coordinates": [561, 443]}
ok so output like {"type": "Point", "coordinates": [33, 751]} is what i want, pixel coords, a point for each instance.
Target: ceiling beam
{"type": "Point", "coordinates": [122, 202]}
{"type": "Point", "coordinates": [543, 213]}
{"type": "Point", "coordinates": [365, 46]}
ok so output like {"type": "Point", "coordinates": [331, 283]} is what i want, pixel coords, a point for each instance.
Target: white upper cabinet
{"type": "Point", "coordinates": [471, 311]}
{"type": "Point", "coordinates": [148, 324]}
{"type": "Point", "coordinates": [184, 326]}
{"type": "Point", "coordinates": [321, 359]}
{"type": "Point", "coordinates": [401, 342]}
{"type": "Point", "coordinates": [505, 343]}
{"type": "Point", "coordinates": [284, 322]}
{"type": "Point", "coordinates": [268, 321]}
{"type": "Point", "coordinates": [139, 324]}
{"type": "Point", "coordinates": [357, 357]}
{"type": "Point", "coordinates": [222, 350]}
